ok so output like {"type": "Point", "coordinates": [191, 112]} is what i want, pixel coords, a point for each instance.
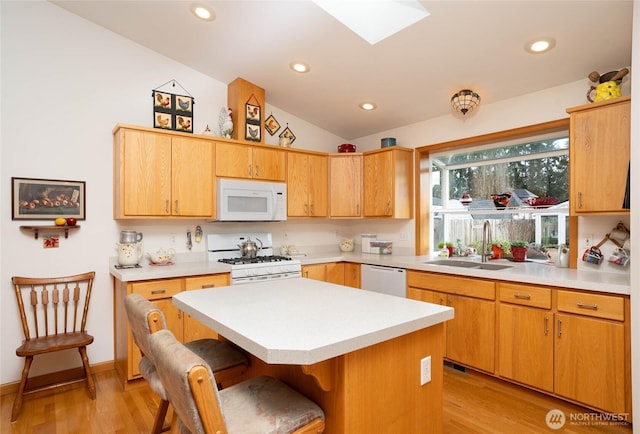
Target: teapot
{"type": "Point", "coordinates": [249, 249]}
{"type": "Point", "coordinates": [129, 253]}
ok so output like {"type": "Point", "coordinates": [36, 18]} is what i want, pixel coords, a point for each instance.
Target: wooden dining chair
{"type": "Point", "coordinates": [55, 321]}
{"type": "Point", "coordinates": [256, 406]}
{"type": "Point", "coordinates": [145, 318]}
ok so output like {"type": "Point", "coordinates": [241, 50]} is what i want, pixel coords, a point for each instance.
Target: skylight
{"type": "Point", "coordinates": [374, 20]}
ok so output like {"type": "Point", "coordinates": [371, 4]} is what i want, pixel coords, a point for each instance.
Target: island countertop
{"type": "Point", "coordinates": [302, 321]}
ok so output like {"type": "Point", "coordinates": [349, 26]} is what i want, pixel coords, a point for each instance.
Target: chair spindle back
{"type": "Point", "coordinates": [57, 305]}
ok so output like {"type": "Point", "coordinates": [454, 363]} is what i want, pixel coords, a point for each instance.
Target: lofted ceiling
{"type": "Point", "coordinates": [411, 75]}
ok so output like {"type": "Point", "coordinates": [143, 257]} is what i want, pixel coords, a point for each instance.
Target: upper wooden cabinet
{"type": "Point", "coordinates": [599, 153]}
{"type": "Point", "coordinates": [159, 174]}
{"type": "Point", "coordinates": [237, 160]}
{"type": "Point", "coordinates": [388, 183]}
{"type": "Point", "coordinates": [307, 189]}
{"type": "Point", "coordinates": [345, 185]}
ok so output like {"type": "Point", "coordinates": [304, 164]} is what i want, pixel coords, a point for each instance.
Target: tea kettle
{"type": "Point", "coordinates": [130, 236]}
{"type": "Point", "coordinates": [249, 249]}
{"type": "Point", "coordinates": [562, 259]}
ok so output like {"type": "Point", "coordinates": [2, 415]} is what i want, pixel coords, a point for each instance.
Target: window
{"type": "Point", "coordinates": [521, 187]}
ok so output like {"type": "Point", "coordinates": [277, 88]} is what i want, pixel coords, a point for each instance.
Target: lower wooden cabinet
{"type": "Point", "coordinates": [352, 275]}
{"type": "Point", "coordinates": [568, 343]}
{"type": "Point", "coordinates": [591, 350]}
{"type": "Point", "coordinates": [160, 292]}
{"type": "Point", "coordinates": [332, 272]}
{"type": "Point", "coordinates": [470, 336]}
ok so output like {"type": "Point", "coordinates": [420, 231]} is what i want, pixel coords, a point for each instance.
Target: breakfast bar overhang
{"type": "Point", "coordinates": [356, 353]}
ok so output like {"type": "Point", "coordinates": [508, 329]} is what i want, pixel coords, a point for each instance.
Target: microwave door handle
{"type": "Point", "coordinates": [274, 202]}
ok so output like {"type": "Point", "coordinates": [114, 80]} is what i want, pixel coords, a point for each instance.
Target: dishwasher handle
{"type": "Point", "coordinates": [388, 269]}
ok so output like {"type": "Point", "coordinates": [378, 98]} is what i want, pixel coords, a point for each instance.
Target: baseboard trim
{"type": "Point", "coordinates": [56, 377]}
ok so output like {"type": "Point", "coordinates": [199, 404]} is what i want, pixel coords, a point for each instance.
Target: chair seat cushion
{"type": "Point", "coordinates": [266, 405]}
{"type": "Point", "coordinates": [219, 355]}
{"type": "Point", "coordinates": [50, 343]}
{"type": "Point", "coordinates": [149, 373]}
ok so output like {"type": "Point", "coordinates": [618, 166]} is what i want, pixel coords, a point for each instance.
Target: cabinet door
{"type": "Point", "coordinates": [378, 184]}
{"type": "Point", "coordinates": [194, 329]}
{"type": "Point", "coordinates": [315, 272]}
{"type": "Point", "coordinates": [589, 361]}
{"type": "Point", "coordinates": [525, 341]}
{"type": "Point", "coordinates": [192, 177]}
{"type": "Point", "coordinates": [352, 275]}
{"type": "Point", "coordinates": [318, 186]}
{"type": "Point", "coordinates": [599, 157]}
{"type": "Point", "coordinates": [471, 334]}
{"type": "Point", "coordinates": [233, 160]}
{"type": "Point", "coordinates": [297, 185]}
{"type": "Point", "coordinates": [345, 185]}
{"type": "Point", "coordinates": [147, 174]}
{"type": "Point", "coordinates": [335, 273]}
{"type": "Point", "coordinates": [269, 164]}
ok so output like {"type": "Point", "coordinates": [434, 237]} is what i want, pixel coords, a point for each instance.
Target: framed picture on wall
{"type": "Point", "coordinates": [46, 199]}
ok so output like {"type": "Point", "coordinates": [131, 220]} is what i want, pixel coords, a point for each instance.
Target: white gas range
{"type": "Point", "coordinates": [265, 266]}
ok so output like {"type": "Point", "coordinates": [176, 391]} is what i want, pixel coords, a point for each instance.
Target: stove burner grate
{"type": "Point", "coordinates": [256, 260]}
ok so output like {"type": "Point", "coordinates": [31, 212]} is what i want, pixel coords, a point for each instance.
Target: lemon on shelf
{"type": "Point", "coordinates": [60, 221]}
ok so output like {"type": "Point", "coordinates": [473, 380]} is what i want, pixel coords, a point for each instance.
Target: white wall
{"type": "Point", "coordinates": [65, 83]}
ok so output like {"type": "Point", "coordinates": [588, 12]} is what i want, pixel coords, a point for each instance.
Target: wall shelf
{"type": "Point", "coordinates": [37, 229]}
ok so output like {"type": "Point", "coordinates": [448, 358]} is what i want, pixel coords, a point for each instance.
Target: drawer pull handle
{"type": "Point", "coordinates": [592, 306]}
{"type": "Point", "coordinates": [523, 296]}
{"type": "Point", "coordinates": [211, 285]}
{"type": "Point", "coordinates": [158, 291]}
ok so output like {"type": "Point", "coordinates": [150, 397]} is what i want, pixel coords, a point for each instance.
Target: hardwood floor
{"type": "Point", "coordinates": [473, 403]}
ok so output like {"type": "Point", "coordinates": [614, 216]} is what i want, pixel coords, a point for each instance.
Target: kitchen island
{"type": "Point", "coordinates": [356, 353]}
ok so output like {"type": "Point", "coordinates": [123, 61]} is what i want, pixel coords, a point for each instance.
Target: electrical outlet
{"type": "Point", "coordinates": [172, 239]}
{"type": "Point", "coordinates": [425, 370]}
{"type": "Point", "coordinates": [404, 236]}
{"type": "Point", "coordinates": [588, 240]}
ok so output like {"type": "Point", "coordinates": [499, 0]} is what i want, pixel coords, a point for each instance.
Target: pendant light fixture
{"type": "Point", "coordinates": [465, 101]}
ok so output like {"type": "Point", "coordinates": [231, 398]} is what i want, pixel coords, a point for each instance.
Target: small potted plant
{"type": "Point", "coordinates": [448, 245]}
{"type": "Point", "coordinates": [499, 248]}
{"type": "Point", "coordinates": [519, 251]}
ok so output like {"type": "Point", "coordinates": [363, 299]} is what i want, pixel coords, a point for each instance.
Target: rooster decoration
{"type": "Point", "coordinates": [609, 85]}
{"type": "Point", "coordinates": [225, 123]}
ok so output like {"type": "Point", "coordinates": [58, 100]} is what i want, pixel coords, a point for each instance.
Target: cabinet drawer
{"type": "Point", "coordinates": [209, 281]}
{"type": "Point", "coordinates": [526, 295]}
{"type": "Point", "coordinates": [452, 285]}
{"type": "Point", "coordinates": [596, 305]}
{"type": "Point", "coordinates": [156, 289]}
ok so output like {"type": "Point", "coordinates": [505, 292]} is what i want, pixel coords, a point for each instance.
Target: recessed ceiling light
{"type": "Point", "coordinates": [203, 12]}
{"type": "Point", "coordinates": [368, 106]}
{"type": "Point", "coordinates": [300, 67]}
{"type": "Point", "coordinates": [540, 45]}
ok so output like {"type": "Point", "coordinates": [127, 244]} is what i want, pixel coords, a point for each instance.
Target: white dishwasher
{"type": "Point", "coordinates": [386, 280]}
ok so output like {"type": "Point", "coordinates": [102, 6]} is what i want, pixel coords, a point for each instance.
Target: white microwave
{"type": "Point", "coordinates": [245, 200]}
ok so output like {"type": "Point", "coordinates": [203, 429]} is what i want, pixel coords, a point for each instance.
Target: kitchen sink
{"type": "Point", "coordinates": [468, 264]}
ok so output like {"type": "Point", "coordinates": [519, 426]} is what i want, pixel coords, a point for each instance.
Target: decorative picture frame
{"type": "Point", "coordinates": [252, 132]}
{"type": "Point", "coordinates": [253, 113]}
{"type": "Point", "coordinates": [45, 199]}
{"type": "Point", "coordinates": [272, 125]}
{"type": "Point", "coordinates": [172, 111]}
{"type": "Point", "coordinates": [288, 134]}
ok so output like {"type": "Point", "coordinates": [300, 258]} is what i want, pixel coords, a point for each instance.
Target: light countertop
{"type": "Point", "coordinates": [534, 272]}
{"type": "Point", "coordinates": [303, 321]}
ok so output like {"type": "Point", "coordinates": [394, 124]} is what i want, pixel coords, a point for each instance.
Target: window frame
{"type": "Point", "coordinates": [423, 171]}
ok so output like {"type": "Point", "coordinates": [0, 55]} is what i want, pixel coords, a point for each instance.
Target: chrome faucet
{"type": "Point", "coordinates": [486, 241]}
